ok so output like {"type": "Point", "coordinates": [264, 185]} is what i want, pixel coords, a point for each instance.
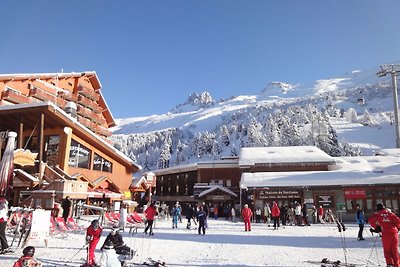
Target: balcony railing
{"type": "Point", "coordinates": [68, 96]}
{"type": "Point", "coordinates": [88, 93]}
{"type": "Point", "coordinates": [15, 97]}
{"type": "Point", "coordinates": [41, 94]}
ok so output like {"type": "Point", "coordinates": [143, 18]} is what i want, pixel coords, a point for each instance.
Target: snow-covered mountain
{"type": "Point", "coordinates": [348, 115]}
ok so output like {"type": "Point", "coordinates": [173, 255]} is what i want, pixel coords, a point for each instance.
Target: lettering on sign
{"type": "Point", "coordinates": [24, 157]}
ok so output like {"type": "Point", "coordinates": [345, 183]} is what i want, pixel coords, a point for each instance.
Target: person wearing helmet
{"type": "Point", "coordinates": [93, 234]}
{"type": "Point", "coordinates": [108, 256]}
{"type": "Point", "coordinates": [27, 258]}
{"type": "Point", "coordinates": [388, 223]}
{"type": "Point", "coordinates": [247, 214]}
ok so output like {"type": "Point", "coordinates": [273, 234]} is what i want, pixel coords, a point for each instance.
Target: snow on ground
{"type": "Point", "coordinates": [225, 244]}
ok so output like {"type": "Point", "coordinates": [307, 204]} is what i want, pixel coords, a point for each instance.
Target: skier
{"type": "Point", "coordinates": [247, 214]}
{"type": "Point", "coordinates": [93, 234]}
{"type": "Point", "coordinates": [108, 256]}
{"type": "Point", "coordinates": [267, 213]}
{"type": "Point", "coordinates": [116, 238]}
{"type": "Point", "coordinates": [150, 213]}
{"type": "Point", "coordinates": [388, 223]}
{"type": "Point", "coordinates": [258, 215]}
{"type": "Point", "coordinates": [176, 211]}
{"type": "Point", "coordinates": [27, 259]}
{"type": "Point", "coordinates": [189, 215]}
{"type": "Point", "coordinates": [3, 224]}
{"type": "Point", "coordinates": [201, 217]}
{"type": "Point", "coordinates": [275, 212]}
{"type": "Point", "coordinates": [360, 222]}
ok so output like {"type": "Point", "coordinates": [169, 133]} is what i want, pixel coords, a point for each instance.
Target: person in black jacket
{"type": "Point", "coordinates": [189, 215]}
{"type": "Point", "coordinates": [201, 217]}
{"type": "Point", "coordinates": [116, 238]}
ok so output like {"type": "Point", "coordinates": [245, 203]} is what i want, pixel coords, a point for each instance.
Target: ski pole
{"type": "Point", "coordinates": [76, 254]}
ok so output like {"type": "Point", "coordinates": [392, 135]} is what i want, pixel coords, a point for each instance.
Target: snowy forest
{"type": "Point", "coordinates": [289, 121]}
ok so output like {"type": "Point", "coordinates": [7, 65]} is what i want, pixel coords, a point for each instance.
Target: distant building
{"type": "Point", "coordinates": [302, 174]}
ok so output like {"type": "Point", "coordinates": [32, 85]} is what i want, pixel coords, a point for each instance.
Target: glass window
{"type": "Point", "coordinates": [228, 183]}
{"type": "Point", "coordinates": [101, 164]}
{"type": "Point", "coordinates": [369, 204]}
{"type": "Point", "coordinates": [349, 204]}
{"type": "Point", "coordinates": [79, 155]}
{"type": "Point", "coordinates": [51, 150]}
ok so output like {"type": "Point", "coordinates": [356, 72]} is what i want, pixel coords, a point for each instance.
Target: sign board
{"type": "Point", "coordinates": [24, 157]}
{"type": "Point", "coordinates": [278, 194]}
{"type": "Point", "coordinates": [355, 193]}
{"type": "Point", "coordinates": [40, 224]}
{"type": "Point", "coordinates": [325, 201]}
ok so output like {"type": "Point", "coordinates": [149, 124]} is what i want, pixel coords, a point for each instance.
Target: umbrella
{"type": "Point", "coordinates": [7, 165]}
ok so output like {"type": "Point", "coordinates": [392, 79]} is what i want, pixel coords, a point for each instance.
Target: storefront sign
{"type": "Point", "coordinates": [325, 201]}
{"type": "Point", "coordinates": [355, 193]}
{"type": "Point", "coordinates": [218, 197]}
{"type": "Point", "coordinates": [24, 157]}
{"type": "Point", "coordinates": [278, 194]}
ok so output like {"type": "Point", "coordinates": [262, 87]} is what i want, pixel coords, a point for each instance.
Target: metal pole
{"type": "Point", "coordinates": [396, 108]}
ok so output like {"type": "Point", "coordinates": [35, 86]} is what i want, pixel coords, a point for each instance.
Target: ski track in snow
{"type": "Point", "coordinates": [225, 244]}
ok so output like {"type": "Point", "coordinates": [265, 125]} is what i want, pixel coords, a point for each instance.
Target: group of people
{"type": "Point", "coordinates": [197, 213]}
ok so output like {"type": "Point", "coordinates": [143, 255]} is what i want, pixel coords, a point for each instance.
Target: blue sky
{"type": "Point", "coordinates": [150, 55]}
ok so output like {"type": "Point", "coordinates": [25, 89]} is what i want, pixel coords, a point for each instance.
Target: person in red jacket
{"type": "Point", "coordinates": [247, 214]}
{"type": "Point", "coordinates": [93, 234]}
{"type": "Point", "coordinates": [276, 213]}
{"type": "Point", "coordinates": [150, 213]}
{"type": "Point", "coordinates": [27, 259]}
{"type": "Point", "coordinates": [388, 223]}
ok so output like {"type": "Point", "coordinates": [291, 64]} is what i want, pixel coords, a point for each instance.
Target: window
{"type": "Point", "coordinates": [101, 164]}
{"type": "Point", "coordinates": [51, 150]}
{"type": "Point", "coordinates": [79, 155]}
{"type": "Point", "coordinates": [228, 183]}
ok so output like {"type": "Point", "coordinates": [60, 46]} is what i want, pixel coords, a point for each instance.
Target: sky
{"type": "Point", "coordinates": [151, 55]}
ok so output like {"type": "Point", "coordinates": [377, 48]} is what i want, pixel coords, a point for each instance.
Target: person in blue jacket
{"type": "Point", "coordinates": [360, 221]}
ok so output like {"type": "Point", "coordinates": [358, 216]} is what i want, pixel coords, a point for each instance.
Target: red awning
{"type": "Point", "coordinates": [98, 193]}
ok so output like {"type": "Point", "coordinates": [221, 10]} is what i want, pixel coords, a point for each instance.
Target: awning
{"type": "Point", "coordinates": [98, 193]}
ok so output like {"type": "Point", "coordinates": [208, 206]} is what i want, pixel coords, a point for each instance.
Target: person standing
{"type": "Point", "coordinates": [150, 213]}
{"type": "Point", "coordinates": [267, 213]}
{"type": "Point", "coordinates": [321, 214]}
{"type": "Point", "coordinates": [176, 211]}
{"type": "Point", "coordinates": [360, 222]}
{"type": "Point", "coordinates": [189, 215]}
{"type": "Point", "coordinates": [233, 214]}
{"type": "Point", "coordinates": [201, 217]}
{"type": "Point", "coordinates": [275, 212]}
{"type": "Point", "coordinates": [66, 205]}
{"type": "Point", "coordinates": [93, 234]}
{"type": "Point", "coordinates": [3, 224]}
{"type": "Point", "coordinates": [305, 214]}
{"type": "Point", "coordinates": [388, 223]}
{"type": "Point", "coordinates": [247, 214]}
{"type": "Point", "coordinates": [258, 215]}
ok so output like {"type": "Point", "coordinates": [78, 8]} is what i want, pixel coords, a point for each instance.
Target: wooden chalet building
{"type": "Point", "coordinates": [62, 122]}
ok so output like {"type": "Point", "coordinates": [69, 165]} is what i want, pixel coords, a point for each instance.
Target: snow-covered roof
{"type": "Point", "coordinates": [217, 187]}
{"type": "Point", "coordinates": [349, 171]}
{"type": "Point", "coordinates": [290, 154]}
{"type": "Point", "coordinates": [177, 169]}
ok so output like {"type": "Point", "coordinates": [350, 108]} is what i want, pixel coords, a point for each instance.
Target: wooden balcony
{"type": "Point", "coordinates": [67, 96]}
{"type": "Point", "coordinates": [89, 124]}
{"type": "Point", "coordinates": [84, 112]}
{"type": "Point", "coordinates": [15, 97]}
{"type": "Point", "coordinates": [88, 93]}
{"type": "Point", "coordinates": [41, 94]}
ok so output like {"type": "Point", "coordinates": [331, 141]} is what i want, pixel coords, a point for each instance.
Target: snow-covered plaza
{"type": "Point", "coordinates": [225, 244]}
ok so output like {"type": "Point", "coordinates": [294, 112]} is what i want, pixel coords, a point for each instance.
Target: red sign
{"type": "Point", "coordinates": [355, 193]}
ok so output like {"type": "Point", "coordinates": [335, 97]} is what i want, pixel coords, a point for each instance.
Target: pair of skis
{"type": "Point", "coordinates": [148, 262]}
{"type": "Point", "coordinates": [330, 263]}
